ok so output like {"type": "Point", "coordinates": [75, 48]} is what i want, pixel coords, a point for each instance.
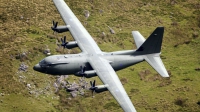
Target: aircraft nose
{"type": "Point", "coordinates": [38, 68]}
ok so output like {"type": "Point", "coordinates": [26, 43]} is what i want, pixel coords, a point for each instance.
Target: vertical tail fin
{"type": "Point", "coordinates": [152, 44]}
{"type": "Point", "coordinates": [150, 49]}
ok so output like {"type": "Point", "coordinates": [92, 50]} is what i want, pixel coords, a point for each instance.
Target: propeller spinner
{"type": "Point", "coordinates": [59, 29]}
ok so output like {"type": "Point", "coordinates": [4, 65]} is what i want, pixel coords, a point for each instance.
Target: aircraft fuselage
{"type": "Point", "coordinates": [70, 64]}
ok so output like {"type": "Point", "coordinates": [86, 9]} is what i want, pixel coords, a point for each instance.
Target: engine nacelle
{"type": "Point", "coordinates": [87, 74]}
{"type": "Point", "coordinates": [100, 88]}
{"type": "Point", "coordinates": [60, 29]}
{"type": "Point", "coordinates": [71, 45]}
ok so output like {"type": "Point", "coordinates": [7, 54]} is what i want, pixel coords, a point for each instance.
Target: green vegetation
{"type": "Point", "coordinates": [25, 29]}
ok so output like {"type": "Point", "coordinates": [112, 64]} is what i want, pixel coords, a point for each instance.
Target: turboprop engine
{"type": "Point", "coordinates": [59, 29]}
{"type": "Point", "coordinates": [97, 89]}
{"type": "Point", "coordinates": [68, 45]}
{"type": "Point", "coordinates": [87, 74]}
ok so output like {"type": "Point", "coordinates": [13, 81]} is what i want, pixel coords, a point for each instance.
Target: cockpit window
{"type": "Point", "coordinates": [43, 63]}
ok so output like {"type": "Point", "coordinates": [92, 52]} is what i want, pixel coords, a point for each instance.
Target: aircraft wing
{"type": "Point", "coordinates": [111, 80]}
{"type": "Point", "coordinates": [88, 46]}
{"type": "Point", "coordinates": [85, 42]}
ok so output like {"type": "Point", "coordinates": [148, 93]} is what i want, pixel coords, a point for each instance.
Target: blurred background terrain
{"type": "Point", "coordinates": [26, 38]}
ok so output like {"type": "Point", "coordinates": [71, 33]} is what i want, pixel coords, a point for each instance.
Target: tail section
{"type": "Point", "coordinates": [155, 61]}
{"type": "Point", "coordinates": [150, 49]}
{"type": "Point", "coordinates": [138, 38]}
{"type": "Point", "coordinates": [152, 44]}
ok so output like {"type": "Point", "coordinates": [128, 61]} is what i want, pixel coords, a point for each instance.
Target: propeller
{"type": "Point", "coordinates": [64, 43]}
{"type": "Point", "coordinates": [92, 88]}
{"type": "Point", "coordinates": [82, 71]}
{"type": "Point", "coordinates": [55, 24]}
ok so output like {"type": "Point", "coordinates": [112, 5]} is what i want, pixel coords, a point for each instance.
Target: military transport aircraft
{"type": "Point", "coordinates": [93, 62]}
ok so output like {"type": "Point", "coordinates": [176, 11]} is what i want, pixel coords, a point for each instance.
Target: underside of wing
{"type": "Point", "coordinates": [112, 82]}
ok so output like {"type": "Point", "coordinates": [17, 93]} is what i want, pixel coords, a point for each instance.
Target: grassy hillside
{"type": "Point", "coordinates": [25, 34]}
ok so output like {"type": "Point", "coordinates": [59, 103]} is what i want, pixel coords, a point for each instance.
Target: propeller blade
{"type": "Point", "coordinates": [64, 43]}
{"type": "Point", "coordinates": [81, 69]}
{"type": "Point", "coordinates": [53, 23]}
{"type": "Point", "coordinates": [93, 93]}
{"type": "Point", "coordinates": [84, 69]}
{"type": "Point", "coordinates": [64, 39]}
{"type": "Point", "coordinates": [55, 26]}
{"type": "Point", "coordinates": [93, 84]}
{"type": "Point", "coordinates": [92, 88]}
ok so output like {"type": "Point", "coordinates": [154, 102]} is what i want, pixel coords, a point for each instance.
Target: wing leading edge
{"type": "Point", "coordinates": [79, 33]}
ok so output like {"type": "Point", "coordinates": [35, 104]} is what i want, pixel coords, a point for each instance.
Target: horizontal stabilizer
{"type": "Point", "coordinates": [155, 61]}
{"type": "Point", "coordinates": [150, 49]}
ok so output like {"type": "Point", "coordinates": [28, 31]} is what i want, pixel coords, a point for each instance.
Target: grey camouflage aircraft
{"type": "Point", "coordinates": [93, 62]}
